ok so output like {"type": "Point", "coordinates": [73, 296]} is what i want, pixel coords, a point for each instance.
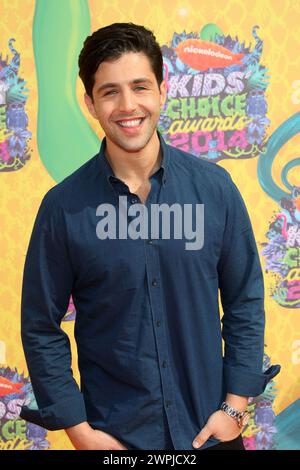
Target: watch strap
{"type": "Point", "coordinates": [230, 411]}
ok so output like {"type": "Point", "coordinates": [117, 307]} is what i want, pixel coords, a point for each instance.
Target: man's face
{"type": "Point", "coordinates": [127, 101]}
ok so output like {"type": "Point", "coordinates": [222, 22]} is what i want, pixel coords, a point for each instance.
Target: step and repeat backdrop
{"type": "Point", "coordinates": [238, 107]}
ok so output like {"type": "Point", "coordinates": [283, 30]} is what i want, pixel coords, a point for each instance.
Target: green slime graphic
{"type": "Point", "coordinates": [65, 139]}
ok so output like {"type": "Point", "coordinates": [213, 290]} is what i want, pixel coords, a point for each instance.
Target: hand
{"type": "Point", "coordinates": [221, 426]}
{"type": "Point", "coordinates": [100, 440]}
{"type": "Point", "coordinates": [84, 437]}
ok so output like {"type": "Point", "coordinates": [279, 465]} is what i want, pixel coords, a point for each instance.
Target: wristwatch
{"type": "Point", "coordinates": [242, 417]}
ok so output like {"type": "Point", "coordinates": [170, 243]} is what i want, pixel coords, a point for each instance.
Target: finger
{"type": "Point", "coordinates": [202, 437]}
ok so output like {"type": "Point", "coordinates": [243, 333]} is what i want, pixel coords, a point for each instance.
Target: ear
{"type": "Point", "coordinates": [163, 93]}
{"type": "Point", "coordinates": [89, 103]}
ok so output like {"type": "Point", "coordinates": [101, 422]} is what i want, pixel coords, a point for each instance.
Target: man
{"type": "Point", "coordinates": [148, 330]}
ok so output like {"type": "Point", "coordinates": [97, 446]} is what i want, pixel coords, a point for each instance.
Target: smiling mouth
{"type": "Point", "coordinates": [131, 123]}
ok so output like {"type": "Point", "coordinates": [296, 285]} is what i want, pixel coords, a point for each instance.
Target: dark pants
{"type": "Point", "coordinates": [235, 444]}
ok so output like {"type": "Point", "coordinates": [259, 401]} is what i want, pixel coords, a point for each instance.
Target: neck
{"type": "Point", "coordinates": [130, 166]}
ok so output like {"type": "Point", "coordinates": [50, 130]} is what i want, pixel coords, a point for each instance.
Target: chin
{"type": "Point", "coordinates": [134, 144]}
{"type": "Point", "coordinates": [132, 148]}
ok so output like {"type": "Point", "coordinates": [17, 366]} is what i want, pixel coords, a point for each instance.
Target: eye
{"type": "Point", "coordinates": [110, 92]}
{"type": "Point", "coordinates": [140, 88]}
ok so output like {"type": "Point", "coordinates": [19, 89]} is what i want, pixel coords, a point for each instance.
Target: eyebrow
{"type": "Point", "coordinates": [134, 82]}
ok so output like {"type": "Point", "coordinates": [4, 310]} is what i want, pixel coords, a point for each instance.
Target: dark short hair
{"type": "Point", "coordinates": [110, 42]}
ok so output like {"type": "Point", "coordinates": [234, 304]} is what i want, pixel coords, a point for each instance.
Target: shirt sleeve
{"type": "Point", "coordinates": [47, 285]}
{"type": "Point", "coordinates": [242, 296]}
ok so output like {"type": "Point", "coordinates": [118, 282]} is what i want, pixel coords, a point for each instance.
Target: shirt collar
{"type": "Point", "coordinates": [106, 169]}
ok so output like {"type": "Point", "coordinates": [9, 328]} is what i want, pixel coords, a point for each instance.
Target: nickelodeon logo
{"type": "Point", "coordinates": [202, 55]}
{"type": "Point", "coordinates": [196, 50]}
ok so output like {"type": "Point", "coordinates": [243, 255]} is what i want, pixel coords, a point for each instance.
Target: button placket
{"type": "Point", "coordinates": [152, 267]}
{"type": "Point", "coordinates": [158, 316]}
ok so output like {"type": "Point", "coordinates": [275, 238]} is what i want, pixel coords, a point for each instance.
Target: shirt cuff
{"type": "Point", "coordinates": [248, 383]}
{"type": "Point", "coordinates": [61, 415]}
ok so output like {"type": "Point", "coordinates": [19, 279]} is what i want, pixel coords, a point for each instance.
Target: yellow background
{"type": "Point", "coordinates": [22, 191]}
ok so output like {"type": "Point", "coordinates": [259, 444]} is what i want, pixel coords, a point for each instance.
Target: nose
{"type": "Point", "coordinates": [126, 102]}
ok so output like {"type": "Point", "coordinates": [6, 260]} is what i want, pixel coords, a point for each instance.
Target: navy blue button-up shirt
{"type": "Point", "coordinates": [148, 328]}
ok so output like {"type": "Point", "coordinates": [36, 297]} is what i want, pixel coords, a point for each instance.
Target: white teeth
{"type": "Point", "coordinates": [133, 123]}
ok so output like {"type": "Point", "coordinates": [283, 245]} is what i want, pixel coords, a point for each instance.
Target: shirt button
{"type": "Point", "coordinates": [164, 364]}
{"type": "Point", "coordinates": [158, 323]}
{"type": "Point", "coordinates": [154, 282]}
{"type": "Point", "coordinates": [150, 242]}
{"type": "Point", "coordinates": [134, 200]}
{"type": "Point", "coordinates": [168, 404]}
